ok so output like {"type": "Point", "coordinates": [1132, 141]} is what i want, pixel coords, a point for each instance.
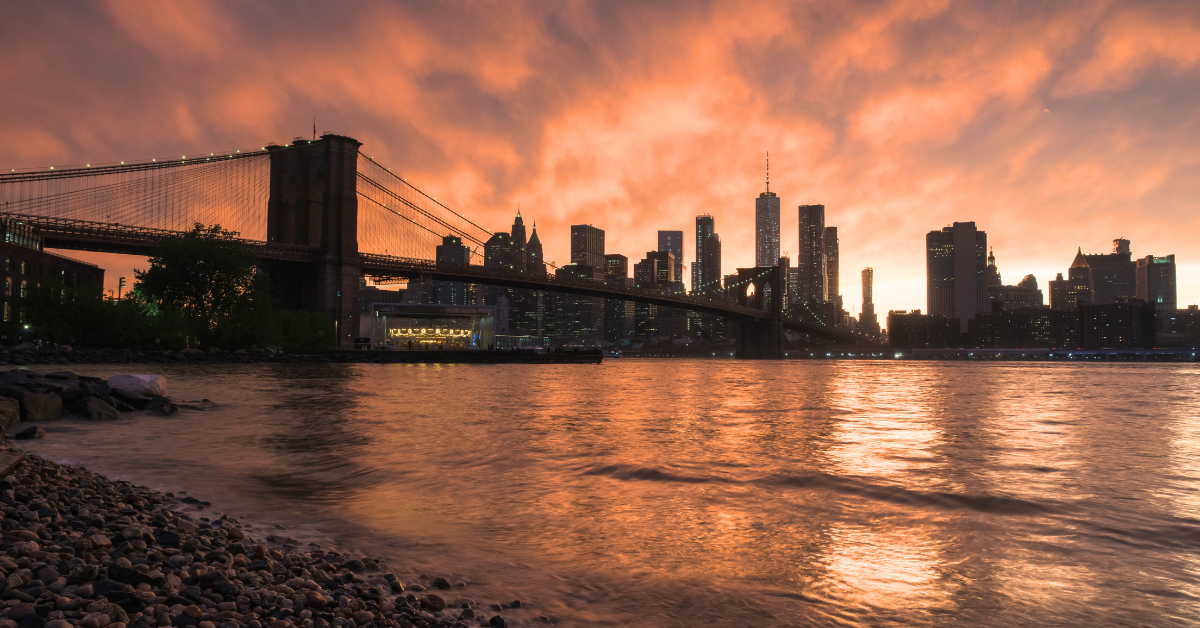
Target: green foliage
{"type": "Point", "coordinates": [203, 288]}
{"type": "Point", "coordinates": [208, 281]}
{"type": "Point", "coordinates": [80, 314]}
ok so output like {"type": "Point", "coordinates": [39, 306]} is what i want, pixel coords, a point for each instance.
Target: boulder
{"type": "Point", "coordinates": [137, 400]}
{"type": "Point", "coordinates": [96, 410]}
{"type": "Point", "coordinates": [24, 346]}
{"type": "Point", "coordinates": [66, 375]}
{"type": "Point", "coordinates": [12, 391]}
{"type": "Point", "coordinates": [139, 383]}
{"type": "Point", "coordinates": [99, 388]}
{"type": "Point", "coordinates": [31, 433]}
{"type": "Point", "coordinates": [161, 405]}
{"type": "Point", "coordinates": [41, 407]}
{"type": "Point", "coordinates": [10, 412]}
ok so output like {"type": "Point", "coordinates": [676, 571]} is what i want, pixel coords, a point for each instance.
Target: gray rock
{"type": "Point", "coordinates": [96, 410]}
{"type": "Point", "coordinates": [41, 407]}
{"type": "Point", "coordinates": [161, 405]}
{"type": "Point", "coordinates": [31, 433]}
{"type": "Point", "coordinates": [10, 412]}
{"type": "Point", "coordinates": [137, 400]}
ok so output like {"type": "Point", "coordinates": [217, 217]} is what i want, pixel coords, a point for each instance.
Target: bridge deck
{"type": "Point", "coordinates": [85, 235]}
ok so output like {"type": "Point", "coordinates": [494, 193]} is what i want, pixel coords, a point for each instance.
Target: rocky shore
{"type": "Point", "coordinates": [49, 355]}
{"type": "Point", "coordinates": [79, 549]}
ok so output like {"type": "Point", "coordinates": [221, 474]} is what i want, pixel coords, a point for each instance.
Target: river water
{"type": "Point", "coordinates": [707, 492]}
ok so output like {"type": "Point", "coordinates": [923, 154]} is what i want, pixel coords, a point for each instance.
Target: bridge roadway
{"type": "Point", "coordinates": [83, 235]}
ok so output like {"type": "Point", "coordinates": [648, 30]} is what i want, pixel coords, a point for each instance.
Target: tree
{"type": "Point", "coordinates": [81, 314]}
{"type": "Point", "coordinates": [207, 283]}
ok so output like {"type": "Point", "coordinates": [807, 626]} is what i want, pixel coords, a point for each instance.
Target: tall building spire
{"type": "Point", "coordinates": [768, 171]}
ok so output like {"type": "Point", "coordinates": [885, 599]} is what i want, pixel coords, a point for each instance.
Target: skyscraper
{"type": "Point", "coordinates": [672, 242]}
{"type": "Point", "coordinates": [1076, 290]}
{"type": "Point", "coordinates": [766, 225]}
{"type": "Point", "coordinates": [578, 320]}
{"type": "Point", "coordinates": [813, 287]}
{"type": "Point", "coordinates": [1156, 283]}
{"type": "Point", "coordinates": [956, 266]}
{"type": "Point", "coordinates": [527, 312]}
{"type": "Point", "coordinates": [451, 254]}
{"type": "Point", "coordinates": [833, 291]}
{"type": "Point", "coordinates": [618, 314]}
{"type": "Point", "coordinates": [868, 322]}
{"type": "Point", "coordinates": [657, 272]}
{"type": "Point", "coordinates": [518, 231]}
{"type": "Point", "coordinates": [533, 254]}
{"type": "Point", "coordinates": [587, 248]}
{"type": "Point", "coordinates": [1113, 273]}
{"type": "Point", "coordinates": [703, 282]}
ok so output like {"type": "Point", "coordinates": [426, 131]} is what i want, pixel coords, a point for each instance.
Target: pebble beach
{"type": "Point", "coordinates": [81, 549]}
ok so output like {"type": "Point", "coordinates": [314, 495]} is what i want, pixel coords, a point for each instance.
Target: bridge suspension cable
{"type": "Point", "coordinates": [228, 189]}
{"type": "Point", "coordinates": [391, 207]}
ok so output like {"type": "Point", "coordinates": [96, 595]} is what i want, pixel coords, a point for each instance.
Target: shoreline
{"type": "Point", "coordinates": [85, 550]}
{"type": "Point", "coordinates": [50, 357]}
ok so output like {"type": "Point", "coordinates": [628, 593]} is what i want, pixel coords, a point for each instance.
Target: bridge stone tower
{"type": "Point", "coordinates": [314, 203]}
{"type": "Point", "coordinates": [762, 339]}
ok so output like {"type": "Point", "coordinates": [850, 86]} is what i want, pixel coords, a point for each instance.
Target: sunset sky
{"type": "Point", "coordinates": [1052, 125]}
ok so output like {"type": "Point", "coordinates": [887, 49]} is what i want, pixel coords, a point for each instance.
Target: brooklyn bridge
{"type": "Point", "coordinates": [321, 214]}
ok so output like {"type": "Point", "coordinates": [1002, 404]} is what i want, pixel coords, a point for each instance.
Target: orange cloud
{"type": "Point", "coordinates": [900, 115]}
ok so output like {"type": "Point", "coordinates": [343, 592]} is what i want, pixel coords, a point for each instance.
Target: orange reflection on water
{"type": "Point", "coordinates": [889, 428]}
{"type": "Point", "coordinates": [884, 570]}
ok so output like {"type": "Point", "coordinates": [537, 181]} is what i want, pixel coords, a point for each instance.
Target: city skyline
{"type": "Point", "coordinates": [1048, 141]}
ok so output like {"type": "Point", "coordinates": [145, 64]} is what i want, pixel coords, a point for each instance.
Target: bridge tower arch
{"type": "Point", "coordinates": [762, 338]}
{"type": "Point", "coordinates": [314, 203]}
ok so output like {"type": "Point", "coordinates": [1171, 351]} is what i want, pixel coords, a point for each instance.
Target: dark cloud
{"type": "Point", "coordinates": [899, 115]}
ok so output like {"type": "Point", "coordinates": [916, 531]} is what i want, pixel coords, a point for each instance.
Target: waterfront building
{"type": "Point", "coordinates": [812, 263]}
{"type": "Point", "coordinates": [706, 272]}
{"type": "Point", "coordinates": [1156, 282]}
{"type": "Point", "coordinates": [618, 314]}
{"type": "Point", "coordinates": [1024, 295]}
{"type": "Point", "coordinates": [833, 290]}
{"type": "Point", "coordinates": [529, 313]}
{"type": "Point", "coordinates": [672, 242]}
{"type": "Point", "coordinates": [655, 272]}
{"type": "Point", "coordinates": [1113, 274]}
{"type": "Point", "coordinates": [766, 224]}
{"type": "Point", "coordinates": [1077, 289]}
{"type": "Point", "coordinates": [579, 320]}
{"type": "Point", "coordinates": [1024, 328]}
{"type": "Point", "coordinates": [534, 262]}
{"type": "Point", "coordinates": [587, 248]}
{"type": "Point", "coordinates": [1127, 325]}
{"type": "Point", "coordinates": [868, 322]}
{"type": "Point", "coordinates": [28, 266]}
{"type": "Point", "coordinates": [793, 281]}
{"type": "Point", "coordinates": [518, 231]}
{"type": "Point", "coordinates": [1187, 324]}
{"type": "Point", "coordinates": [956, 266]}
{"type": "Point", "coordinates": [452, 255]}
{"type": "Point", "coordinates": [911, 330]}
{"type": "Point", "coordinates": [991, 275]}
{"type": "Point", "coordinates": [499, 253]}
{"type": "Point", "coordinates": [430, 327]}
{"type": "Point", "coordinates": [1001, 297]}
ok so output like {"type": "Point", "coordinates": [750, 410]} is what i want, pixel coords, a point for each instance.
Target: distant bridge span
{"type": "Point", "coordinates": [321, 215]}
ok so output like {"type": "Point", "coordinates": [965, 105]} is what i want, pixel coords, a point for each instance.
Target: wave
{"type": "Point", "coordinates": [857, 487]}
